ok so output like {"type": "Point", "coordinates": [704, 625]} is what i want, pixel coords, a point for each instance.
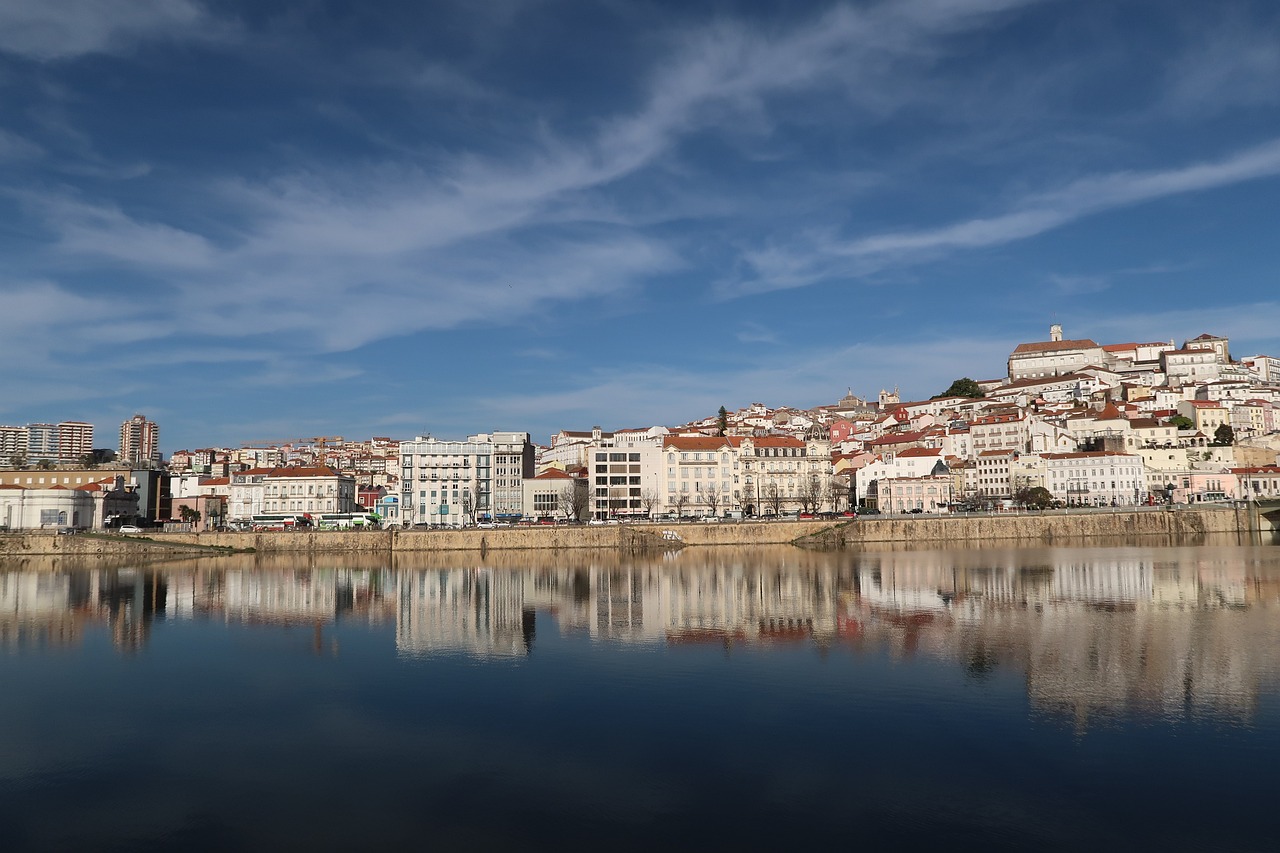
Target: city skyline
{"type": "Point", "coordinates": [253, 222]}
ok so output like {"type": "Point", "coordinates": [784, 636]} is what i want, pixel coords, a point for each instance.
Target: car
{"type": "Point", "coordinates": [915, 510]}
{"type": "Point", "coordinates": [130, 528]}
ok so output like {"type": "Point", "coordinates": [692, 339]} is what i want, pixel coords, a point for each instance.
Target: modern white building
{"type": "Point", "coordinates": [463, 482]}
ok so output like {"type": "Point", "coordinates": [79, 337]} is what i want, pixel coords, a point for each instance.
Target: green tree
{"type": "Point", "coordinates": [1182, 422]}
{"type": "Point", "coordinates": [965, 387]}
{"type": "Point", "coordinates": [1036, 497]}
{"type": "Point", "coordinates": [1224, 436]}
{"type": "Point", "coordinates": [189, 515]}
{"type": "Point", "coordinates": [724, 421]}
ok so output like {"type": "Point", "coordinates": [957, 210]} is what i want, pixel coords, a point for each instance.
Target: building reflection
{"type": "Point", "coordinates": [1105, 631]}
{"type": "Point", "coordinates": [50, 610]}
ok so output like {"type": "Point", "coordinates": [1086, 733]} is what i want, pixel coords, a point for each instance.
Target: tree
{"type": "Point", "coordinates": [711, 497]}
{"type": "Point", "coordinates": [649, 501]}
{"type": "Point", "coordinates": [18, 460]}
{"type": "Point", "coordinates": [680, 501]}
{"type": "Point", "coordinates": [1224, 436]}
{"type": "Point", "coordinates": [965, 387]}
{"type": "Point", "coordinates": [189, 515]}
{"type": "Point", "coordinates": [1035, 497]}
{"type": "Point", "coordinates": [836, 493]}
{"type": "Point", "coordinates": [773, 497]}
{"type": "Point", "coordinates": [723, 424]}
{"type": "Point", "coordinates": [572, 501]}
{"type": "Point", "coordinates": [1182, 422]}
{"type": "Point", "coordinates": [810, 493]}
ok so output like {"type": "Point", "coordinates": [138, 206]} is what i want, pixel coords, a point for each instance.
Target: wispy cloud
{"type": "Point", "coordinates": [52, 31]}
{"type": "Point", "coordinates": [779, 267]}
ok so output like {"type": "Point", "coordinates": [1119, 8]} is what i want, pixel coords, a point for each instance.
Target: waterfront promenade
{"type": "Point", "coordinates": [1184, 525]}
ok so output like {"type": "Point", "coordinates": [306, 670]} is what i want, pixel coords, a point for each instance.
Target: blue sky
{"type": "Point", "coordinates": [264, 220]}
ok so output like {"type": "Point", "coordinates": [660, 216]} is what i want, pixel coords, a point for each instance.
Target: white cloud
{"type": "Point", "coordinates": [45, 31]}
{"type": "Point", "coordinates": [782, 267]}
{"type": "Point", "coordinates": [14, 147]}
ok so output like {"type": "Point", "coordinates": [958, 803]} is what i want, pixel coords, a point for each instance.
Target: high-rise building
{"type": "Point", "coordinates": [42, 443]}
{"type": "Point", "coordinates": [13, 443]}
{"type": "Point", "coordinates": [75, 440]}
{"type": "Point", "coordinates": [139, 442]}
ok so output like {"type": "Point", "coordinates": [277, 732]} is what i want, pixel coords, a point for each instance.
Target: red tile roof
{"type": "Point", "coordinates": [1053, 346]}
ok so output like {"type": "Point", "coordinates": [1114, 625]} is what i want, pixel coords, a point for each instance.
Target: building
{"type": "Point", "coordinates": [698, 474]}
{"type": "Point", "coordinates": [42, 443]}
{"type": "Point", "coordinates": [1053, 357]}
{"type": "Point", "coordinates": [1103, 478]}
{"type": "Point", "coordinates": [139, 442]}
{"type": "Point", "coordinates": [555, 494]}
{"type": "Point", "coordinates": [75, 440]}
{"type": "Point", "coordinates": [462, 482]}
{"type": "Point", "coordinates": [931, 494]}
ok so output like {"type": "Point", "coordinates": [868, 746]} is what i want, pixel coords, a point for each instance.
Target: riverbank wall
{"type": "Point", "coordinates": [1183, 526]}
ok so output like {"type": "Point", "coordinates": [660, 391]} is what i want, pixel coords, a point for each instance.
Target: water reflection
{"type": "Point", "coordinates": [1164, 631]}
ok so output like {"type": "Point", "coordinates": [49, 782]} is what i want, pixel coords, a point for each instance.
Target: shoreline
{"type": "Point", "coordinates": [1181, 526]}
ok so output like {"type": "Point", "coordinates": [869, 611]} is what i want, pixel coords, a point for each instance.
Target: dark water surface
{"type": "Point", "coordinates": [1063, 699]}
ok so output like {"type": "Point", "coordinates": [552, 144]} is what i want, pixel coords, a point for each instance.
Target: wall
{"type": "Point", "coordinates": [1186, 526]}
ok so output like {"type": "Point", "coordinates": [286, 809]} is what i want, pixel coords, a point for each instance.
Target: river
{"type": "Point", "coordinates": [713, 698]}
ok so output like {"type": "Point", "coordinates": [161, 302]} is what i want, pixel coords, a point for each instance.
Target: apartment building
{"type": "Point", "coordinates": [462, 482]}
{"type": "Point", "coordinates": [1104, 478]}
{"type": "Point", "coordinates": [139, 442]}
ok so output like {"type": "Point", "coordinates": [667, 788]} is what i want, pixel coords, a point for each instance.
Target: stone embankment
{"type": "Point", "coordinates": [1185, 526]}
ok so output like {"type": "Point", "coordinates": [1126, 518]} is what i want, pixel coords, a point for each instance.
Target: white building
{"type": "Point", "coordinates": [1096, 479]}
{"type": "Point", "coordinates": [1053, 357]}
{"type": "Point", "coordinates": [461, 482]}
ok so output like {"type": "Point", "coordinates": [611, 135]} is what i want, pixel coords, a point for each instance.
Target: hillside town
{"type": "Point", "coordinates": [1072, 423]}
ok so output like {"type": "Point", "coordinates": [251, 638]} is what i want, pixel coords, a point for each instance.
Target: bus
{"type": "Point", "coordinates": [347, 520]}
{"type": "Point", "coordinates": [286, 521]}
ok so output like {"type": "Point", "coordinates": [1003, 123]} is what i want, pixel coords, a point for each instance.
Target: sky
{"type": "Point", "coordinates": [260, 221]}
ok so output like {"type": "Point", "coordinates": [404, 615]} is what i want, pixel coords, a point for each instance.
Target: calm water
{"type": "Point", "coordinates": [1023, 699]}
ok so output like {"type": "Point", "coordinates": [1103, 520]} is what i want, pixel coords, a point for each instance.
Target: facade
{"type": "Point", "coordinates": [932, 494]}
{"type": "Point", "coordinates": [1257, 483]}
{"type": "Point", "coordinates": [545, 495]}
{"type": "Point", "coordinates": [75, 440]}
{"type": "Point", "coordinates": [1189, 366]}
{"type": "Point", "coordinates": [1053, 357]}
{"type": "Point", "coordinates": [1011, 431]}
{"type": "Point", "coordinates": [1104, 478]}
{"type": "Point", "coordinates": [53, 506]}
{"type": "Point", "coordinates": [461, 482]}
{"type": "Point", "coordinates": [1206, 415]}
{"type": "Point", "coordinates": [698, 474]}
{"type": "Point", "coordinates": [291, 490]}
{"type": "Point", "coordinates": [308, 490]}
{"type": "Point", "coordinates": [139, 442]}
{"type": "Point", "coordinates": [42, 443]}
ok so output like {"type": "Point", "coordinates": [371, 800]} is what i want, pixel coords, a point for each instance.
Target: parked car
{"type": "Point", "coordinates": [130, 528]}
